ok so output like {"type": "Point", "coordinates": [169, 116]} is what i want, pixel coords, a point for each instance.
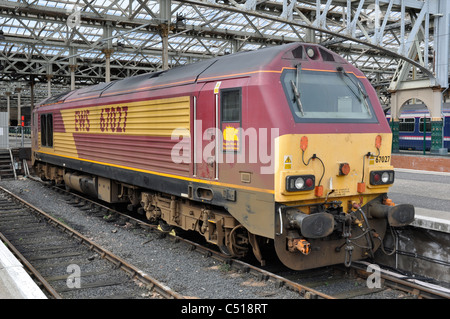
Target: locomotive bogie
{"type": "Point", "coordinates": [50, 172]}
{"type": "Point", "coordinates": [217, 227]}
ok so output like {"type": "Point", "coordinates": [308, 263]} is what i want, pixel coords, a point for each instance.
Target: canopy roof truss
{"type": "Point", "coordinates": [43, 40]}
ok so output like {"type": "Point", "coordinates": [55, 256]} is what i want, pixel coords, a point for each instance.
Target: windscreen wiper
{"type": "Point", "coordinates": [297, 97]}
{"type": "Point", "coordinates": [295, 90]}
{"type": "Point", "coordinates": [358, 85]}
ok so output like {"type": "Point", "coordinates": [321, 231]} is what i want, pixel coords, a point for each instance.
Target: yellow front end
{"type": "Point", "coordinates": [348, 160]}
{"type": "Point", "coordinates": [330, 194]}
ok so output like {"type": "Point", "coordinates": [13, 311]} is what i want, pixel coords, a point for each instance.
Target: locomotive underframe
{"type": "Point", "coordinates": [349, 238]}
{"type": "Point", "coordinates": [216, 225]}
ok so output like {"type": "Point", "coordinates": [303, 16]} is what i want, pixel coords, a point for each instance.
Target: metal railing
{"type": "Point", "coordinates": [19, 136]}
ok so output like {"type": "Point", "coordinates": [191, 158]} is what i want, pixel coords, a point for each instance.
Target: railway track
{"type": "Point", "coordinates": [327, 283]}
{"type": "Point", "coordinates": [65, 263]}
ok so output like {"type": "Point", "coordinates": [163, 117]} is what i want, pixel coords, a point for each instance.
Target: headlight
{"type": "Point", "coordinates": [381, 177]}
{"type": "Point", "coordinates": [300, 183]}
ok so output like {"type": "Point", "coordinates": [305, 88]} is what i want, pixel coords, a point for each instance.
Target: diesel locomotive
{"type": "Point", "coordinates": [284, 147]}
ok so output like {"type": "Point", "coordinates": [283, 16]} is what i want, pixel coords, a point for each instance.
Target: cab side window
{"type": "Point", "coordinates": [47, 130]}
{"type": "Point", "coordinates": [231, 105]}
{"type": "Point", "coordinates": [231, 115]}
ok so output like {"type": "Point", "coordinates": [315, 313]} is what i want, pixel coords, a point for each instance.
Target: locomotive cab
{"type": "Point", "coordinates": [333, 170]}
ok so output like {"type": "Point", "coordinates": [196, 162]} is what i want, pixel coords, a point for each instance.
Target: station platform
{"type": "Point", "coordinates": [425, 180]}
{"type": "Point", "coordinates": [421, 162]}
{"type": "Point", "coordinates": [433, 220]}
{"type": "Point", "coordinates": [431, 217]}
{"type": "Point", "coordinates": [15, 283]}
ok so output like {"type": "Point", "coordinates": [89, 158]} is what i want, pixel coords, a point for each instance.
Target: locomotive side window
{"type": "Point", "coordinates": [47, 130]}
{"type": "Point", "coordinates": [231, 105]}
{"type": "Point", "coordinates": [428, 124]}
{"type": "Point", "coordinates": [406, 125]}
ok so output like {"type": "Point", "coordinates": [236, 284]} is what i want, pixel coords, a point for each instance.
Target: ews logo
{"type": "Point", "coordinates": [114, 119]}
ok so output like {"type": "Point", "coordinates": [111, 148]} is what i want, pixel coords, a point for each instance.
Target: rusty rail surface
{"type": "Point", "coordinates": [303, 290]}
{"type": "Point", "coordinates": [136, 273]}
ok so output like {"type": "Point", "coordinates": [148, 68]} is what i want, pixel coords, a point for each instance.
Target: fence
{"type": "Point", "coordinates": [421, 135]}
{"type": "Point", "coordinates": [19, 136]}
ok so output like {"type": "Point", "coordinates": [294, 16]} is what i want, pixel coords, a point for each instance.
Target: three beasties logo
{"type": "Point", "coordinates": [230, 139]}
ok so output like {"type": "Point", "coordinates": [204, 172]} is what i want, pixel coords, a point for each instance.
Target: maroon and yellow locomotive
{"type": "Point", "coordinates": [286, 146]}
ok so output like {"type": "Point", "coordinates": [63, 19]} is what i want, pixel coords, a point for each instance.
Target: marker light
{"type": "Point", "coordinates": [300, 183]}
{"type": "Point", "coordinates": [382, 177]}
{"type": "Point", "coordinates": [378, 142]}
{"type": "Point", "coordinates": [303, 143]}
{"type": "Point", "coordinates": [344, 169]}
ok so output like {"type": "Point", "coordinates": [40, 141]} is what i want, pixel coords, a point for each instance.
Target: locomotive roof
{"type": "Point", "coordinates": [187, 74]}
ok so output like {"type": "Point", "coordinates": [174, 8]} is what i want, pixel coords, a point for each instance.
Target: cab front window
{"type": "Point", "coordinates": [325, 96]}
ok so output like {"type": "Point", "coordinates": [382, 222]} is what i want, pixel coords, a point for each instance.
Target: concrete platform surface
{"type": "Point", "coordinates": [15, 283]}
{"type": "Point", "coordinates": [429, 192]}
{"type": "Point", "coordinates": [421, 162]}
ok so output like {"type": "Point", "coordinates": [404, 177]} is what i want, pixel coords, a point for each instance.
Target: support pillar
{"type": "Point", "coordinates": [436, 136]}
{"type": "Point", "coordinates": [8, 106]}
{"type": "Point", "coordinates": [437, 122]}
{"type": "Point", "coordinates": [107, 49]}
{"type": "Point", "coordinates": [49, 85]}
{"type": "Point", "coordinates": [72, 67]}
{"type": "Point", "coordinates": [395, 134]}
{"type": "Point", "coordinates": [164, 32]}
{"type": "Point", "coordinates": [107, 53]}
{"type": "Point", "coordinates": [19, 106]}
{"type": "Point", "coordinates": [72, 76]}
{"type": "Point", "coordinates": [394, 124]}
{"type": "Point", "coordinates": [165, 14]}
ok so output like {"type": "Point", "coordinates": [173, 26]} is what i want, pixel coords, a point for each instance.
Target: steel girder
{"type": "Point", "coordinates": [389, 40]}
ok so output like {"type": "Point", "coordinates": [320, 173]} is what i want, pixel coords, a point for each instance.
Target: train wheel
{"type": "Point", "coordinates": [237, 241]}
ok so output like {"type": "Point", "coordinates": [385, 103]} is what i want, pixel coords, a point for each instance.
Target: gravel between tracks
{"type": "Point", "coordinates": [186, 272]}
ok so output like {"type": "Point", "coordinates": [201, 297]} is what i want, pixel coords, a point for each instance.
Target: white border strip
{"type": "Point", "coordinates": [415, 171]}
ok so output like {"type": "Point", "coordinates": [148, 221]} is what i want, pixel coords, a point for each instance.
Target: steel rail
{"type": "Point", "coordinates": [404, 284]}
{"type": "Point", "coordinates": [104, 253]}
{"type": "Point", "coordinates": [30, 267]}
{"type": "Point", "coordinates": [304, 291]}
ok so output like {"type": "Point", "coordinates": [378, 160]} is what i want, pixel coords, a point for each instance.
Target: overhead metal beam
{"type": "Point", "coordinates": [369, 37]}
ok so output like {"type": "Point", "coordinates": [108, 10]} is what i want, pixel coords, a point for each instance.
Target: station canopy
{"type": "Point", "coordinates": [44, 41]}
